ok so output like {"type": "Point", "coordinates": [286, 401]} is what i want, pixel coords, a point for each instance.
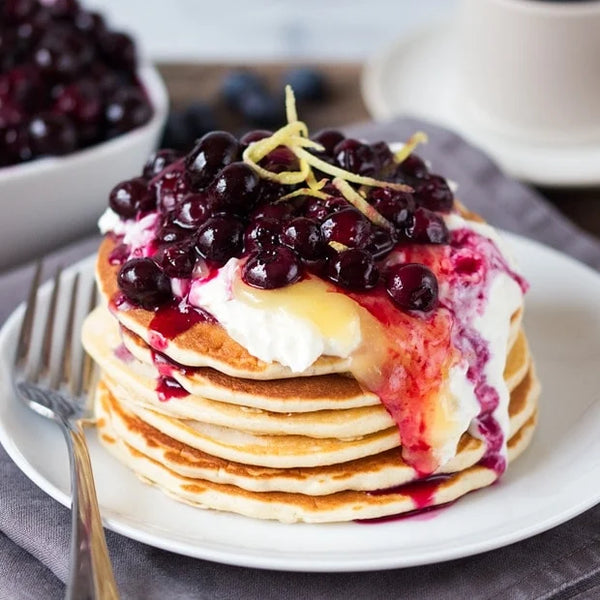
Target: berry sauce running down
{"type": "Point", "coordinates": [410, 375]}
{"type": "Point", "coordinates": [466, 268]}
{"type": "Point", "coordinates": [174, 319]}
{"type": "Point", "coordinates": [287, 213]}
{"type": "Point", "coordinates": [167, 388]}
{"type": "Point", "coordinates": [421, 492]}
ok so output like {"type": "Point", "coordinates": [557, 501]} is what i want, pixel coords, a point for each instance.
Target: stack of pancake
{"type": "Point", "coordinates": [215, 427]}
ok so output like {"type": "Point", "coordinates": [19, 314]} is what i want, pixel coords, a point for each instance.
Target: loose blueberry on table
{"type": "Point", "coordinates": [290, 207]}
{"type": "Point", "coordinates": [66, 80]}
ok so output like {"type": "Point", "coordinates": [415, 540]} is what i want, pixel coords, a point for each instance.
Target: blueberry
{"type": "Point", "coordinates": [412, 286]}
{"type": "Point", "coordinates": [270, 269]}
{"type": "Point", "coordinates": [261, 109]}
{"type": "Point", "coordinates": [237, 84]}
{"type": "Point", "coordinates": [128, 108]}
{"type": "Point", "coordinates": [307, 83]}
{"type": "Point", "coordinates": [52, 135]}
{"type": "Point", "coordinates": [144, 283]}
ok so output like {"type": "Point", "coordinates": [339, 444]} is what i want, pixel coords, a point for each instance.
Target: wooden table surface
{"type": "Point", "coordinates": [189, 82]}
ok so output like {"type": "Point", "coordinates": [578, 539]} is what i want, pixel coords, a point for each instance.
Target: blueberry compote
{"type": "Point", "coordinates": [361, 221]}
{"type": "Point", "coordinates": [66, 80]}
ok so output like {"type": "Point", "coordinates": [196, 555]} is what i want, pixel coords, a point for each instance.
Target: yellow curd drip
{"type": "Point", "coordinates": [334, 315]}
{"type": "Point", "coordinates": [401, 358]}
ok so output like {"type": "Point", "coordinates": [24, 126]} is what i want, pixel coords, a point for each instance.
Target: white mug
{"type": "Point", "coordinates": [531, 68]}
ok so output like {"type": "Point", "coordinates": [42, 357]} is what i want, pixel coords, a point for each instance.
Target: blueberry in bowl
{"type": "Point", "coordinates": [77, 110]}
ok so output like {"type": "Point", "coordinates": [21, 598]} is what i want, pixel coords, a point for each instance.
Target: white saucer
{"type": "Point", "coordinates": [417, 77]}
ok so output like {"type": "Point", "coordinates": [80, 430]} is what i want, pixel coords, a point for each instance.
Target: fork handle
{"type": "Point", "coordinates": [91, 576]}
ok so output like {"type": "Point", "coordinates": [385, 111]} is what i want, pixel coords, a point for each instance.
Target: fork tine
{"type": "Point", "coordinates": [65, 369]}
{"type": "Point", "coordinates": [43, 366]}
{"type": "Point", "coordinates": [87, 364]}
{"type": "Point", "coordinates": [26, 330]}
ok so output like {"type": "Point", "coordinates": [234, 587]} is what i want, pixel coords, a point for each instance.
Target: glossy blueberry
{"type": "Point", "coordinates": [128, 108]}
{"type": "Point", "coordinates": [171, 233]}
{"type": "Point", "coordinates": [219, 238]}
{"type": "Point", "coordinates": [62, 54]}
{"type": "Point", "coordinates": [397, 207]}
{"type": "Point", "coordinates": [427, 227]}
{"type": "Point", "coordinates": [263, 233]}
{"type": "Point", "coordinates": [280, 212]}
{"type": "Point", "coordinates": [381, 242]}
{"type": "Point", "coordinates": [329, 139]}
{"type": "Point", "coordinates": [130, 197]}
{"type": "Point", "coordinates": [177, 260]}
{"type": "Point", "coordinates": [412, 286]}
{"type": "Point", "coordinates": [414, 166]}
{"type": "Point", "coordinates": [211, 153]}
{"type": "Point", "coordinates": [90, 23]}
{"type": "Point", "coordinates": [118, 50]}
{"type": "Point", "coordinates": [303, 235]}
{"type": "Point", "coordinates": [144, 283]}
{"type": "Point", "coordinates": [158, 161]}
{"type": "Point", "coordinates": [15, 145]}
{"type": "Point", "coordinates": [254, 135]}
{"type": "Point", "coordinates": [356, 157]}
{"type": "Point", "coordinates": [434, 193]}
{"type": "Point", "coordinates": [52, 134]}
{"type": "Point", "coordinates": [321, 209]}
{"type": "Point", "coordinates": [348, 227]}
{"type": "Point", "coordinates": [353, 269]}
{"type": "Point", "coordinates": [270, 269]}
{"type": "Point", "coordinates": [234, 189]}
{"type": "Point", "coordinates": [192, 211]}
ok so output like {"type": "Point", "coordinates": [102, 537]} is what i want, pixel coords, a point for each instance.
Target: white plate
{"type": "Point", "coordinates": [417, 76]}
{"type": "Point", "coordinates": [557, 478]}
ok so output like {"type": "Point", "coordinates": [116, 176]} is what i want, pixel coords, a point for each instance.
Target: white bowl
{"type": "Point", "coordinates": [50, 201]}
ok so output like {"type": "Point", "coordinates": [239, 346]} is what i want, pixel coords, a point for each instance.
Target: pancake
{"type": "Point", "coordinates": [286, 506]}
{"type": "Point", "coordinates": [383, 470]}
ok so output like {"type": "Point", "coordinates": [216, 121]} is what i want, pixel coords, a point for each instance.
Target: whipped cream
{"type": "Point", "coordinates": [139, 234]}
{"type": "Point", "coordinates": [273, 334]}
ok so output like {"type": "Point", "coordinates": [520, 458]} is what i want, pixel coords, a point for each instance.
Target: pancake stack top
{"type": "Point", "coordinates": [307, 329]}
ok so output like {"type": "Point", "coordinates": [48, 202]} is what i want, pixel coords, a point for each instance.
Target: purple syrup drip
{"type": "Point", "coordinates": [119, 302]}
{"type": "Point", "coordinates": [419, 514]}
{"type": "Point", "coordinates": [123, 354]}
{"type": "Point", "coordinates": [474, 348]}
{"type": "Point", "coordinates": [173, 319]}
{"type": "Point", "coordinates": [167, 366]}
{"type": "Point", "coordinates": [421, 491]}
{"type": "Point", "coordinates": [119, 254]}
{"type": "Point", "coordinates": [168, 388]}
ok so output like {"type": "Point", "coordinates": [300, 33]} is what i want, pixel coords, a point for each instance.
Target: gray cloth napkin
{"type": "Point", "coordinates": [559, 564]}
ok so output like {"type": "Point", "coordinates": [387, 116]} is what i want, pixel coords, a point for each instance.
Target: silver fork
{"type": "Point", "coordinates": [54, 378]}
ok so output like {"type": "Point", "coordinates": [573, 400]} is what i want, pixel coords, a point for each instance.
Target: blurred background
{"type": "Point", "coordinates": [268, 30]}
{"type": "Point", "coordinates": [224, 66]}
